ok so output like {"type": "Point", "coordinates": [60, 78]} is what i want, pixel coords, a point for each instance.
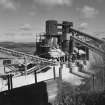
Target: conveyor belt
{"type": "Point", "coordinates": [36, 59]}
{"type": "Point", "coordinates": [86, 35]}
{"type": "Point", "coordinates": [93, 48]}
{"type": "Point", "coordinates": [21, 54]}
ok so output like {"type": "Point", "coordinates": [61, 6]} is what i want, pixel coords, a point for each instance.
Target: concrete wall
{"type": "Point", "coordinates": [35, 94]}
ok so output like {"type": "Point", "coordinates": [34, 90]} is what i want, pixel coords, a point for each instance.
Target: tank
{"type": "Point", "coordinates": [65, 29]}
{"type": "Point", "coordinates": [70, 24]}
{"type": "Point", "coordinates": [51, 27]}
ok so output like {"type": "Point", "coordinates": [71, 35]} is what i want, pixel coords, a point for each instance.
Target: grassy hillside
{"type": "Point", "coordinates": [71, 95]}
{"type": "Point", "coordinates": [28, 47]}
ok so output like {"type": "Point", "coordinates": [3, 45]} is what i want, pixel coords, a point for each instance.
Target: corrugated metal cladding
{"type": "Point", "coordinates": [51, 27]}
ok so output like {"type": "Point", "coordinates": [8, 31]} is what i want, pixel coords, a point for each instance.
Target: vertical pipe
{"type": "Point", "coordinates": [85, 53]}
{"type": "Point", "coordinates": [4, 69]}
{"type": "Point", "coordinates": [54, 72]}
{"type": "Point", "coordinates": [103, 78]}
{"type": "Point", "coordinates": [60, 78]}
{"type": "Point", "coordinates": [64, 59]}
{"type": "Point", "coordinates": [35, 74]}
{"type": "Point", "coordinates": [25, 66]}
{"type": "Point", "coordinates": [8, 80]}
{"type": "Point", "coordinates": [78, 54]}
{"type": "Point", "coordinates": [60, 71]}
{"type": "Point", "coordinates": [93, 77]}
{"type": "Point", "coordinates": [11, 83]}
{"type": "Point", "coordinates": [40, 37]}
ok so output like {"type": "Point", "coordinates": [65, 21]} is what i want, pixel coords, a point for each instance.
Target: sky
{"type": "Point", "coordinates": [21, 20]}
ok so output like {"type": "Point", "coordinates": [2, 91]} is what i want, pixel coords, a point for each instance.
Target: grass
{"type": "Point", "coordinates": [85, 94]}
{"type": "Point", "coordinates": [71, 95]}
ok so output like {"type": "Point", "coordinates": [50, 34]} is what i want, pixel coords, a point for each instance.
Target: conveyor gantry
{"type": "Point", "coordinates": [96, 49]}
{"type": "Point", "coordinates": [93, 48]}
{"type": "Point", "coordinates": [23, 55]}
{"type": "Point", "coordinates": [40, 63]}
{"type": "Point", "coordinates": [79, 33]}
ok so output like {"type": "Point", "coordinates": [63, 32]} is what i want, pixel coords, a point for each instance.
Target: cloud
{"type": "Point", "coordinates": [83, 26]}
{"type": "Point", "coordinates": [54, 2]}
{"type": "Point", "coordinates": [9, 34]}
{"type": "Point", "coordinates": [100, 34]}
{"type": "Point", "coordinates": [100, 1]}
{"type": "Point", "coordinates": [88, 12]}
{"type": "Point", "coordinates": [7, 4]}
{"type": "Point", "coordinates": [26, 27]}
{"type": "Point", "coordinates": [32, 13]}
